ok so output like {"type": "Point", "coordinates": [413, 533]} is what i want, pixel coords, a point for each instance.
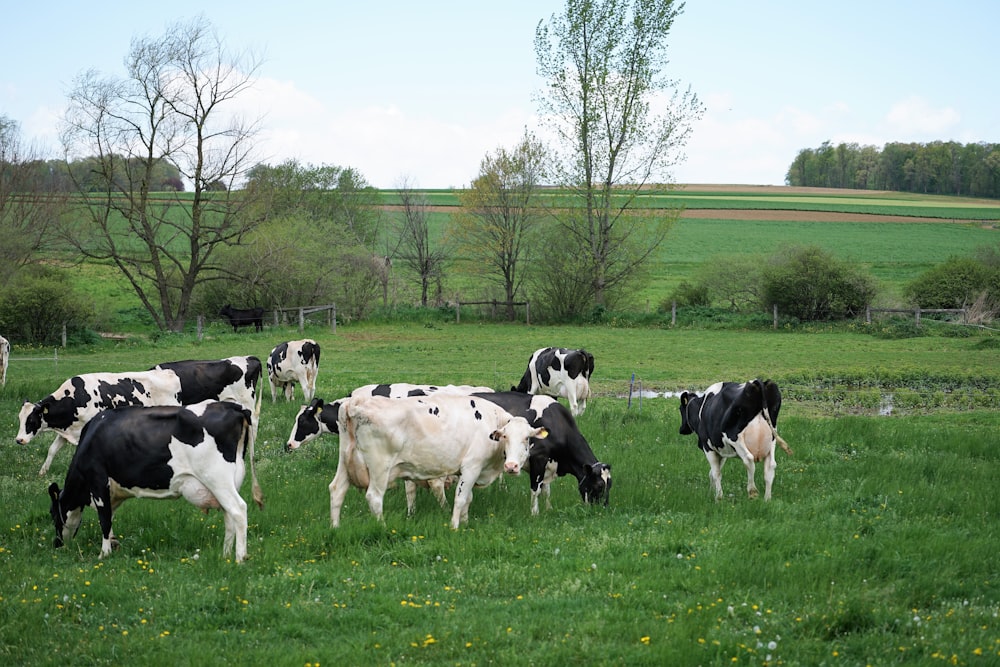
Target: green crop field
{"type": "Point", "coordinates": [878, 547]}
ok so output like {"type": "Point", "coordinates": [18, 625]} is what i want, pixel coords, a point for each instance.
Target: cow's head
{"type": "Point", "coordinates": [596, 483]}
{"type": "Point", "coordinates": [516, 437]}
{"type": "Point", "coordinates": [689, 420]}
{"type": "Point", "coordinates": [31, 422]}
{"type": "Point", "coordinates": [313, 421]}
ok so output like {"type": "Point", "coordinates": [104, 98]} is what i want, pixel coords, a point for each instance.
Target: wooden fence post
{"type": "Point", "coordinates": [199, 326]}
{"type": "Point", "coordinates": [673, 313]}
{"type": "Point", "coordinates": [527, 313]}
{"type": "Point", "coordinates": [916, 315]}
{"type": "Point", "coordinates": [775, 316]}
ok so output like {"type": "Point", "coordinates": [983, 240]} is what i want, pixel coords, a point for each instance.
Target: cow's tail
{"type": "Point", "coordinates": [258, 495]}
{"type": "Point", "coordinates": [774, 434]}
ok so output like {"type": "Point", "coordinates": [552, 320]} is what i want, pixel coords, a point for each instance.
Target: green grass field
{"type": "Point", "coordinates": [878, 548]}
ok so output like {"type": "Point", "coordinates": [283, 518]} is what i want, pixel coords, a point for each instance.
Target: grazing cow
{"type": "Point", "coordinates": [427, 437]}
{"type": "Point", "coordinates": [4, 359]}
{"type": "Point", "coordinates": [244, 317]}
{"type": "Point", "coordinates": [564, 452]}
{"type": "Point", "coordinates": [735, 419]}
{"type": "Point", "coordinates": [291, 362]}
{"type": "Point", "coordinates": [231, 379]}
{"type": "Point", "coordinates": [67, 410]}
{"type": "Point", "coordinates": [556, 371]}
{"type": "Point", "coordinates": [317, 418]}
{"type": "Point", "coordinates": [195, 451]}
{"type": "Point", "coordinates": [80, 398]}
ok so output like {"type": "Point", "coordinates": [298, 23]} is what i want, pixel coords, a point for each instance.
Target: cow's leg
{"type": "Point", "coordinates": [769, 465]}
{"type": "Point", "coordinates": [309, 386]}
{"type": "Point", "coordinates": [290, 391]}
{"type": "Point", "coordinates": [748, 463]}
{"type": "Point", "coordinates": [574, 407]}
{"type": "Point", "coordinates": [437, 488]}
{"type": "Point", "coordinates": [338, 491]}
{"type": "Point", "coordinates": [100, 498]}
{"type": "Point", "coordinates": [376, 493]}
{"type": "Point", "coordinates": [463, 497]}
{"type": "Point", "coordinates": [411, 496]}
{"type": "Point", "coordinates": [235, 509]}
{"type": "Point", "coordinates": [274, 389]}
{"type": "Point", "coordinates": [53, 450]}
{"type": "Point", "coordinates": [715, 463]}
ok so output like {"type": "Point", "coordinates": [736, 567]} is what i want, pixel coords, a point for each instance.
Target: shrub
{"type": "Point", "coordinates": [687, 294]}
{"type": "Point", "coordinates": [808, 283]}
{"type": "Point", "coordinates": [955, 283]}
{"type": "Point", "coordinates": [36, 304]}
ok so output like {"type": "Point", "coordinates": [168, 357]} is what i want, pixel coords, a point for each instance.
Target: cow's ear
{"type": "Point", "coordinates": [495, 435]}
{"type": "Point", "coordinates": [54, 491]}
{"type": "Point", "coordinates": [542, 433]}
{"type": "Point", "coordinates": [685, 397]}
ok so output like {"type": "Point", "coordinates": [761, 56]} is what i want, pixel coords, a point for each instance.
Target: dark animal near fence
{"type": "Point", "coordinates": [244, 317]}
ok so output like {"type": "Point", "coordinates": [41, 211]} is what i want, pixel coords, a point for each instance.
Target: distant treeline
{"type": "Point", "coordinates": [85, 175]}
{"type": "Point", "coordinates": [945, 168]}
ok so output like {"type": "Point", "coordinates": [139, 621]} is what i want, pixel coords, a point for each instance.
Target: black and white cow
{"type": "Point", "coordinates": [733, 419]}
{"type": "Point", "coordinates": [291, 362]}
{"type": "Point", "coordinates": [4, 359]}
{"type": "Point", "coordinates": [195, 451]}
{"type": "Point", "coordinates": [68, 409]}
{"type": "Point", "coordinates": [563, 452]}
{"type": "Point", "coordinates": [556, 371]}
{"type": "Point", "coordinates": [80, 398]}
{"type": "Point", "coordinates": [244, 317]}
{"type": "Point", "coordinates": [231, 379]}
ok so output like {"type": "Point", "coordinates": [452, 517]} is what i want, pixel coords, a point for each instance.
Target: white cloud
{"type": "Point", "coordinates": [914, 116]}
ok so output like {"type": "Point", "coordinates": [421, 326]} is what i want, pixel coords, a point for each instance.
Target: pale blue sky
{"type": "Point", "coordinates": [423, 91]}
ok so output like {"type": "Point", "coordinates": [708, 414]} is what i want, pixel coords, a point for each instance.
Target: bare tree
{"type": "Point", "coordinates": [417, 252]}
{"type": "Point", "coordinates": [170, 107]}
{"type": "Point", "coordinates": [618, 123]}
{"type": "Point", "coordinates": [499, 219]}
{"type": "Point", "coordinates": [28, 207]}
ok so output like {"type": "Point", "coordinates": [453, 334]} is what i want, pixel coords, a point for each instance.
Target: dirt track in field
{"type": "Point", "coordinates": [764, 214]}
{"type": "Point", "coordinates": [802, 216]}
{"type": "Point", "coordinates": [780, 215]}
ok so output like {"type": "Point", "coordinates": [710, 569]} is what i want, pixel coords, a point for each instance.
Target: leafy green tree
{"type": "Point", "coordinates": [316, 244]}
{"type": "Point", "coordinates": [619, 123]}
{"type": "Point", "coordinates": [170, 107]}
{"type": "Point", "coordinates": [498, 227]}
